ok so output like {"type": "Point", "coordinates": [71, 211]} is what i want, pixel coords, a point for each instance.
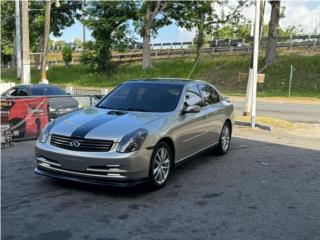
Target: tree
{"type": "Point", "coordinates": [43, 74]}
{"type": "Point", "coordinates": [271, 51]}
{"type": "Point", "coordinates": [109, 23]}
{"type": "Point", "coordinates": [7, 31]}
{"type": "Point", "coordinates": [67, 55]}
{"type": "Point", "coordinates": [59, 45]}
{"type": "Point", "coordinates": [77, 42]}
{"type": "Point", "coordinates": [151, 17]}
{"type": "Point", "coordinates": [60, 18]}
{"type": "Point", "coordinates": [203, 16]}
{"type": "Point", "coordinates": [240, 30]}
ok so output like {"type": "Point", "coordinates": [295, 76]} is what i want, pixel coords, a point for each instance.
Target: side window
{"type": "Point", "coordinates": [23, 92]}
{"type": "Point", "coordinates": [210, 95]}
{"type": "Point", "coordinates": [193, 96]}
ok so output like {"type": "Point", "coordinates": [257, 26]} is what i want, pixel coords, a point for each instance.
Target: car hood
{"type": "Point", "coordinates": [95, 123]}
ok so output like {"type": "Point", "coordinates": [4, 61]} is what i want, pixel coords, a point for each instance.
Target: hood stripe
{"type": "Point", "coordinates": [84, 129]}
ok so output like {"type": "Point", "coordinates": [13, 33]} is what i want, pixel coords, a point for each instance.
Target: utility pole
{"type": "Point", "coordinates": [43, 74]}
{"type": "Point", "coordinates": [25, 73]}
{"type": "Point", "coordinates": [248, 101]}
{"type": "Point", "coordinates": [255, 64]}
{"type": "Point", "coordinates": [18, 38]}
{"type": "Point", "coordinates": [83, 26]}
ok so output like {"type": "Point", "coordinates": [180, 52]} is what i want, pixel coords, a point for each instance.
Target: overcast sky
{"type": "Point", "coordinates": [304, 13]}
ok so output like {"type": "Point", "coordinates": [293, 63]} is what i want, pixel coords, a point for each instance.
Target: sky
{"type": "Point", "coordinates": [302, 13]}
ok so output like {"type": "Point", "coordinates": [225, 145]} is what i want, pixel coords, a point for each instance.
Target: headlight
{"type": "Point", "coordinates": [133, 141]}
{"type": "Point", "coordinates": [45, 132]}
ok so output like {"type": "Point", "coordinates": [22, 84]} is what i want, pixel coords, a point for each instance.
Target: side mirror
{"type": "Point", "coordinates": [192, 109]}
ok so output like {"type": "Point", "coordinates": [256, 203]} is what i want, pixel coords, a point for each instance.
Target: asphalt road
{"type": "Point", "coordinates": [308, 113]}
{"type": "Point", "coordinates": [260, 190]}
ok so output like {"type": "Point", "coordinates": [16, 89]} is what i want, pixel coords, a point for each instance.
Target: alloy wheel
{"type": "Point", "coordinates": [225, 138]}
{"type": "Point", "coordinates": [161, 165]}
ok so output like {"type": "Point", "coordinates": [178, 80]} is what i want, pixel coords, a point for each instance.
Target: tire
{"type": "Point", "coordinates": [225, 139]}
{"type": "Point", "coordinates": [162, 155]}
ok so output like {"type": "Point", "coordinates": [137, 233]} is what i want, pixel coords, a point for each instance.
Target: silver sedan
{"type": "Point", "coordinates": [138, 132]}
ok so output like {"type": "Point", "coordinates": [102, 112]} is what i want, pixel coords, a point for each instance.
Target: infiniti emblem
{"type": "Point", "coordinates": [74, 144]}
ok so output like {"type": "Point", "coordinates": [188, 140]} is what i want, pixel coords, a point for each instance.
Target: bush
{"type": "Point", "coordinates": [67, 55]}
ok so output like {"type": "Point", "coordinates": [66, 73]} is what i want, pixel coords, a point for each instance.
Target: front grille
{"type": "Point", "coordinates": [80, 144]}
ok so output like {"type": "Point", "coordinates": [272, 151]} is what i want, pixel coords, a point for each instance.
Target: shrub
{"type": "Point", "coordinates": [67, 55]}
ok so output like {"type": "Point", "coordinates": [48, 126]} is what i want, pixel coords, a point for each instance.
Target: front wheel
{"type": "Point", "coordinates": [225, 138]}
{"type": "Point", "coordinates": [160, 165]}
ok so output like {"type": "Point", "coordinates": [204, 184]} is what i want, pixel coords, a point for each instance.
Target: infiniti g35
{"type": "Point", "coordinates": [138, 132]}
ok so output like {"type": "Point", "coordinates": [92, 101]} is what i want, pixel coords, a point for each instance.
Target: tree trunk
{"type": "Point", "coordinates": [146, 61]}
{"type": "Point", "coordinates": [37, 57]}
{"type": "Point", "coordinates": [14, 54]}
{"type": "Point", "coordinates": [146, 58]}
{"type": "Point", "coordinates": [43, 76]}
{"type": "Point", "coordinates": [200, 36]}
{"type": "Point", "coordinates": [271, 51]}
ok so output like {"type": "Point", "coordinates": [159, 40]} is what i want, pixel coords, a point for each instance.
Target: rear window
{"type": "Point", "coordinates": [46, 90]}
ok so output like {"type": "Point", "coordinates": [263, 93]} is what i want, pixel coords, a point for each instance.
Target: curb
{"type": "Point", "coordinates": [258, 125]}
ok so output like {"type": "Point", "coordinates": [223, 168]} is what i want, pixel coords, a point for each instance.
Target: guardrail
{"type": "Point", "coordinates": [229, 50]}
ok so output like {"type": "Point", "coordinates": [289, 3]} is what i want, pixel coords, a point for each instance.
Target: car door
{"type": "Point", "coordinates": [192, 129]}
{"type": "Point", "coordinates": [213, 110]}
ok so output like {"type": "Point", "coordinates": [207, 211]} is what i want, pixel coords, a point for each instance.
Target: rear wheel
{"type": "Point", "coordinates": [225, 138]}
{"type": "Point", "coordinates": [160, 165]}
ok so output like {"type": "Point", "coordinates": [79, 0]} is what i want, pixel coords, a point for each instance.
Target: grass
{"type": "Point", "coordinates": [222, 71]}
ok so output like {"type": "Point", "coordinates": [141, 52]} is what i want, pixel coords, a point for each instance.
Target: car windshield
{"type": "Point", "coordinates": [143, 97]}
{"type": "Point", "coordinates": [46, 90]}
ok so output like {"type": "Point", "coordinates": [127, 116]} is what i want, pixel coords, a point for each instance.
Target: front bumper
{"type": "Point", "coordinates": [107, 168]}
{"type": "Point", "coordinates": [89, 180]}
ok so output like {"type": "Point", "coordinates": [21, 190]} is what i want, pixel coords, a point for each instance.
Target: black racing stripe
{"type": "Point", "coordinates": [84, 129]}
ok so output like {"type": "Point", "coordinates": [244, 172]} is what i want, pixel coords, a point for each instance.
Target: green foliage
{"type": "Point", "coordinates": [108, 22]}
{"type": "Point", "coordinates": [89, 56]}
{"type": "Point", "coordinates": [77, 42]}
{"type": "Point", "coordinates": [61, 17]}
{"type": "Point", "coordinates": [59, 44]}
{"type": "Point", "coordinates": [7, 30]}
{"type": "Point", "coordinates": [239, 30]}
{"type": "Point", "coordinates": [204, 17]}
{"type": "Point", "coordinates": [290, 31]}
{"type": "Point", "coordinates": [67, 55]}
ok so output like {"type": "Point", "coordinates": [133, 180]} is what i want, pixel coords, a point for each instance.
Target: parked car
{"type": "Point", "coordinates": [138, 132]}
{"type": "Point", "coordinates": [60, 103]}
